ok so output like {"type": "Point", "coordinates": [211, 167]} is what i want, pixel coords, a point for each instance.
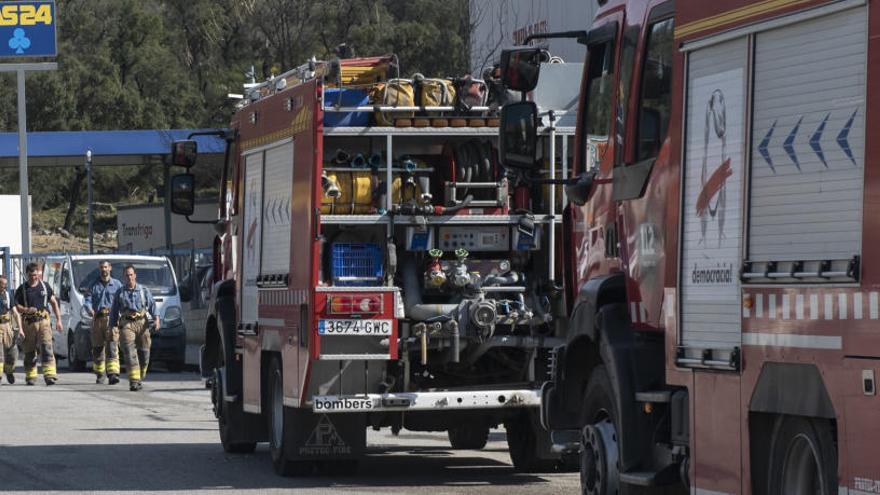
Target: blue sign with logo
{"type": "Point", "coordinates": [27, 29]}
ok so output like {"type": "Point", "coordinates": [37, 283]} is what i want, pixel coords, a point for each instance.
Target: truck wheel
{"type": "Point", "coordinates": [468, 437]}
{"type": "Point", "coordinates": [225, 412]}
{"type": "Point", "coordinates": [278, 426]}
{"type": "Point", "coordinates": [803, 457]}
{"type": "Point", "coordinates": [523, 442]}
{"type": "Point", "coordinates": [599, 454]}
{"type": "Point", "coordinates": [73, 364]}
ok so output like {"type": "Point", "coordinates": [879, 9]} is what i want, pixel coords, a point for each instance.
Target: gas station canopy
{"type": "Point", "coordinates": [109, 148]}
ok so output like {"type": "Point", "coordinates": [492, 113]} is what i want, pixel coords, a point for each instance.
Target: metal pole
{"type": "Point", "coordinates": [23, 167]}
{"type": "Point", "coordinates": [91, 208]}
{"type": "Point", "coordinates": [564, 167]}
{"type": "Point", "coordinates": [20, 70]}
{"type": "Point", "coordinates": [389, 177]}
{"type": "Point", "coordinates": [551, 266]}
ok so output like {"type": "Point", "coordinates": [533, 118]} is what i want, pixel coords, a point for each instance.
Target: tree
{"type": "Point", "coordinates": [144, 64]}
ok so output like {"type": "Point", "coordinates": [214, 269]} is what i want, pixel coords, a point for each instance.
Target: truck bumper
{"type": "Point", "coordinates": [169, 344]}
{"type": "Point", "coordinates": [427, 401]}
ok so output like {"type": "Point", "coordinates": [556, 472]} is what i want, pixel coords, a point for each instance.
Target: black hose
{"type": "Point", "coordinates": [481, 166]}
{"type": "Point", "coordinates": [464, 204]}
{"type": "Point", "coordinates": [509, 278]}
{"type": "Point", "coordinates": [485, 161]}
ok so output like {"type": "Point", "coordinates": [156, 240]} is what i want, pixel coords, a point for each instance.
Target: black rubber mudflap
{"type": "Point", "coordinates": [319, 437]}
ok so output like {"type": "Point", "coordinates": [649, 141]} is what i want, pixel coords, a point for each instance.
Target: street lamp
{"type": "Point", "coordinates": [89, 181]}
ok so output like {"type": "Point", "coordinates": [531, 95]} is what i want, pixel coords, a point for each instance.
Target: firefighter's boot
{"type": "Point", "coordinates": [98, 363]}
{"type": "Point", "coordinates": [9, 352]}
{"type": "Point", "coordinates": [144, 360]}
{"type": "Point", "coordinates": [8, 369]}
{"type": "Point", "coordinates": [48, 358]}
{"type": "Point", "coordinates": [30, 367]}
{"type": "Point", "coordinates": [111, 350]}
{"type": "Point", "coordinates": [132, 363]}
{"type": "Point", "coordinates": [135, 386]}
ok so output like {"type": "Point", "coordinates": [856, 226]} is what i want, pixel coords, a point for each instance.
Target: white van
{"type": "Point", "coordinates": [70, 277]}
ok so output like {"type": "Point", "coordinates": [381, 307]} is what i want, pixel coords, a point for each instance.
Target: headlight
{"type": "Point", "coordinates": [172, 315]}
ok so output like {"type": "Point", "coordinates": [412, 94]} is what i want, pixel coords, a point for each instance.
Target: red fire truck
{"type": "Point", "coordinates": [376, 275]}
{"type": "Point", "coordinates": [725, 324]}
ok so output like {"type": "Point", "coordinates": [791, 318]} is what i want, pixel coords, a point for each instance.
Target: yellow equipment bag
{"type": "Point", "coordinates": [403, 191]}
{"type": "Point", "coordinates": [436, 93]}
{"type": "Point", "coordinates": [355, 194]}
{"type": "Point", "coordinates": [361, 72]}
{"type": "Point", "coordinates": [396, 93]}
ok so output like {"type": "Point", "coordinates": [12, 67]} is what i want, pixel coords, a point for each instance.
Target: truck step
{"type": "Point", "coordinates": [665, 476]}
{"type": "Point", "coordinates": [656, 396]}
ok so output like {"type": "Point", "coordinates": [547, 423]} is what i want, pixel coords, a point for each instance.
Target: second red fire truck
{"type": "Point", "coordinates": [725, 324]}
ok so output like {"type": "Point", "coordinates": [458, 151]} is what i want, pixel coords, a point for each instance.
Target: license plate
{"type": "Point", "coordinates": [354, 327]}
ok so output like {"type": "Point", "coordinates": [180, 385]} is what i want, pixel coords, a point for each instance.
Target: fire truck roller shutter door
{"type": "Point", "coordinates": [808, 139]}
{"type": "Point", "coordinates": [712, 228]}
{"type": "Point", "coordinates": [277, 209]}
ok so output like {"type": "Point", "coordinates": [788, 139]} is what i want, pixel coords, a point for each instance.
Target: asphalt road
{"type": "Point", "coordinates": [81, 437]}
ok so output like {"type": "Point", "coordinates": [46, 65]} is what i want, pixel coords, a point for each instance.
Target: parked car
{"type": "Point", "coordinates": [70, 277]}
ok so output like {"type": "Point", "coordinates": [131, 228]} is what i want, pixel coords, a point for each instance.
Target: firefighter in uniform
{"type": "Point", "coordinates": [134, 312]}
{"type": "Point", "coordinates": [105, 338]}
{"type": "Point", "coordinates": [32, 299]}
{"type": "Point", "coordinates": [8, 334]}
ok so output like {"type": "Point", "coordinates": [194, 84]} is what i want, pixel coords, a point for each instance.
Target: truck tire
{"type": "Point", "coordinates": [803, 457]}
{"type": "Point", "coordinates": [523, 430]}
{"type": "Point", "coordinates": [73, 364]}
{"type": "Point", "coordinates": [599, 455]}
{"type": "Point", "coordinates": [468, 437]}
{"type": "Point", "coordinates": [226, 413]}
{"type": "Point", "coordinates": [278, 426]}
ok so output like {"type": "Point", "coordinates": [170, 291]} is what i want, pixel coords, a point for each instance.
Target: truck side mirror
{"type": "Point", "coordinates": [520, 67]}
{"type": "Point", "coordinates": [183, 153]}
{"type": "Point", "coordinates": [579, 192]}
{"type": "Point", "coordinates": [183, 196]}
{"type": "Point", "coordinates": [518, 143]}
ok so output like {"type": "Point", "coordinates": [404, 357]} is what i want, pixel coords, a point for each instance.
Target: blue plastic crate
{"type": "Point", "coordinates": [356, 264]}
{"type": "Point", "coordinates": [349, 98]}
